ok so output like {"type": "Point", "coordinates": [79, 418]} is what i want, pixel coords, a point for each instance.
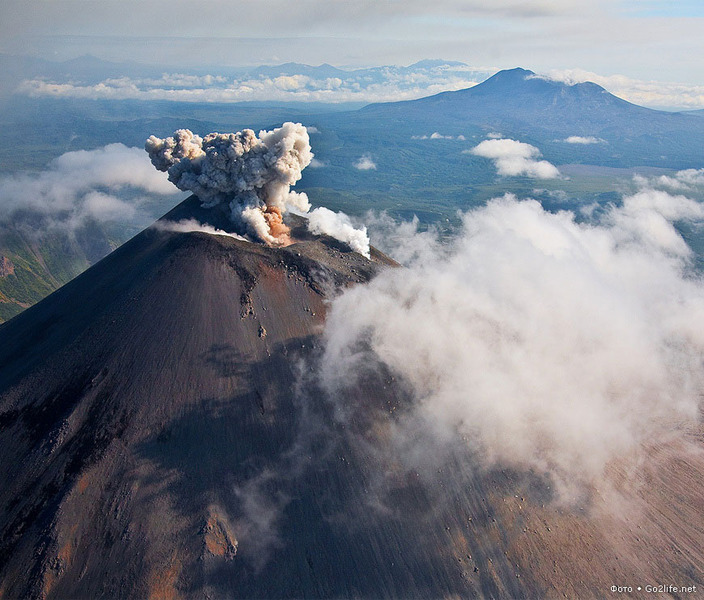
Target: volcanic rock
{"type": "Point", "coordinates": [163, 435]}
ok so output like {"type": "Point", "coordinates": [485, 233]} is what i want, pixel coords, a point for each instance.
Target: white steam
{"type": "Point", "coordinates": [191, 225]}
{"type": "Point", "coordinates": [251, 173]}
{"type": "Point", "coordinates": [513, 158]}
{"type": "Point", "coordinates": [339, 226]}
{"type": "Point", "coordinates": [546, 343]}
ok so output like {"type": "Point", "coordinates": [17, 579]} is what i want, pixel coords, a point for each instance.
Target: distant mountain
{"type": "Point", "coordinates": [289, 69]}
{"type": "Point", "coordinates": [521, 104]}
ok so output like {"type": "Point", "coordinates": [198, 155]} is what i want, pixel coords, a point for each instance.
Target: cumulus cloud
{"type": "Point", "coordinates": [513, 158]}
{"type": "Point", "coordinates": [537, 341]}
{"type": "Point", "coordinates": [106, 184]}
{"type": "Point", "coordinates": [251, 173]}
{"type": "Point", "coordinates": [686, 180]}
{"type": "Point", "coordinates": [577, 139]}
{"type": "Point", "coordinates": [339, 226]}
{"type": "Point", "coordinates": [657, 94]}
{"type": "Point", "coordinates": [364, 163]}
{"type": "Point", "coordinates": [317, 164]}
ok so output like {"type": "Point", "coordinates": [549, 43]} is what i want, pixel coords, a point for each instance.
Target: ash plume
{"type": "Point", "coordinates": [251, 173]}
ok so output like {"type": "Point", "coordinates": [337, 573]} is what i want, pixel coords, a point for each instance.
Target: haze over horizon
{"type": "Point", "coordinates": [645, 49]}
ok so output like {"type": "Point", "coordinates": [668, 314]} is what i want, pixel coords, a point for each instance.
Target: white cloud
{"type": "Point", "coordinates": [687, 180]}
{"type": "Point", "coordinates": [513, 158]}
{"type": "Point", "coordinates": [365, 163]}
{"type": "Point", "coordinates": [106, 184]}
{"type": "Point", "coordinates": [315, 163]}
{"type": "Point", "coordinates": [577, 139]}
{"type": "Point", "coordinates": [540, 342]}
{"type": "Point", "coordinates": [381, 84]}
{"type": "Point", "coordinates": [647, 93]}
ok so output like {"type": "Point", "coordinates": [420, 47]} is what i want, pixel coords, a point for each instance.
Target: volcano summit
{"type": "Point", "coordinates": [165, 433]}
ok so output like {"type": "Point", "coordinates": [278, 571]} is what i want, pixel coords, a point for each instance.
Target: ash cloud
{"type": "Point", "coordinates": [513, 158]}
{"type": "Point", "coordinates": [252, 175]}
{"type": "Point", "coordinates": [539, 341]}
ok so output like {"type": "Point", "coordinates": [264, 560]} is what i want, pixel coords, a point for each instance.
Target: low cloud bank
{"type": "Point", "coordinates": [688, 180]}
{"type": "Point", "coordinates": [656, 94]}
{"type": "Point", "coordinates": [540, 342]}
{"type": "Point", "coordinates": [288, 83]}
{"type": "Point", "coordinates": [436, 135]}
{"type": "Point", "coordinates": [513, 158]}
{"type": "Point", "coordinates": [106, 184]}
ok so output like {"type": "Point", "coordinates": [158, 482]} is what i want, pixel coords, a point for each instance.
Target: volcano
{"type": "Point", "coordinates": [163, 436]}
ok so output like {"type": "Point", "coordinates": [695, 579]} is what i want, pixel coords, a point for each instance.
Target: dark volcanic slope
{"type": "Point", "coordinates": [161, 437]}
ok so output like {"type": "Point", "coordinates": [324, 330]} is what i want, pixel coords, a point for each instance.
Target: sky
{"type": "Point", "coordinates": [646, 39]}
{"type": "Point", "coordinates": [647, 51]}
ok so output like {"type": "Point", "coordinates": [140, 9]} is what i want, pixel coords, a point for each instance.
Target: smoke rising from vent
{"type": "Point", "coordinates": [190, 226]}
{"type": "Point", "coordinates": [339, 226]}
{"type": "Point", "coordinates": [544, 343]}
{"type": "Point", "coordinates": [251, 173]}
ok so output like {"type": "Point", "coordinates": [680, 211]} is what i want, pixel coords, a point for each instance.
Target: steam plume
{"type": "Point", "coordinates": [252, 173]}
{"type": "Point", "coordinates": [542, 342]}
{"type": "Point", "coordinates": [191, 225]}
{"type": "Point", "coordinates": [339, 226]}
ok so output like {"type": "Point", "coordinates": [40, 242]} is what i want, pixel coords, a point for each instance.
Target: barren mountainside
{"type": "Point", "coordinates": [163, 435]}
